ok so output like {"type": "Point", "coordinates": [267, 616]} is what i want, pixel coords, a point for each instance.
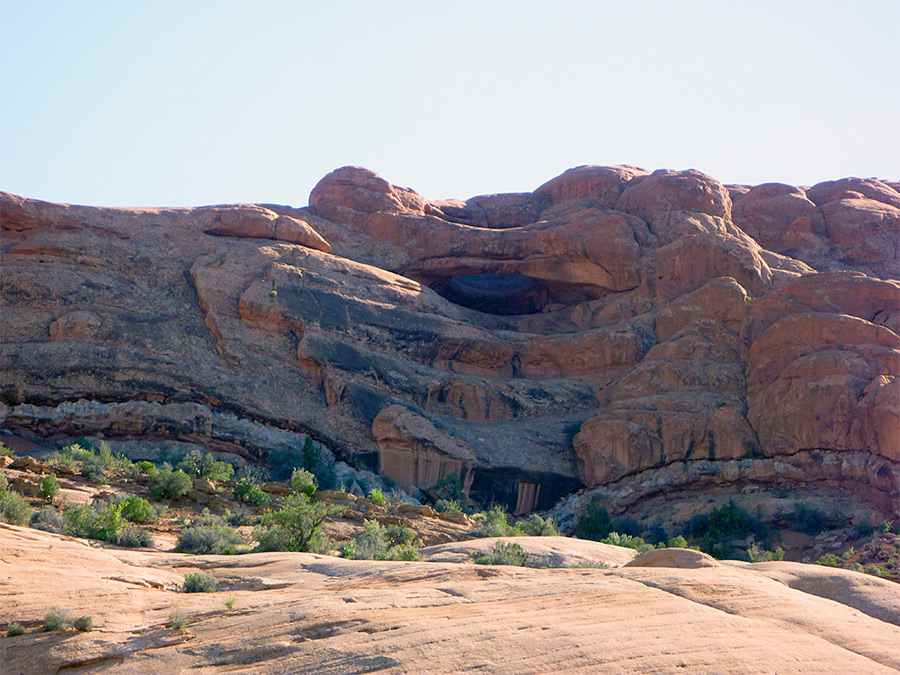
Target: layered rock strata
{"type": "Point", "coordinates": [611, 326]}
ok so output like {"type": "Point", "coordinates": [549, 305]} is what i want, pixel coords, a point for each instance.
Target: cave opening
{"type": "Point", "coordinates": [495, 293]}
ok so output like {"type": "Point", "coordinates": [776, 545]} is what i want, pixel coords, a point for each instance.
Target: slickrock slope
{"type": "Point", "coordinates": [302, 613]}
{"type": "Point", "coordinates": [634, 332]}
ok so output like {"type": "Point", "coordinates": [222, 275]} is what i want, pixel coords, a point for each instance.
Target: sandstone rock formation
{"type": "Point", "coordinates": [303, 613]}
{"type": "Point", "coordinates": [615, 329]}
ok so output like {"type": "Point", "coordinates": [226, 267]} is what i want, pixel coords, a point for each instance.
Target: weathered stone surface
{"type": "Point", "coordinates": [612, 324]}
{"type": "Point", "coordinates": [303, 613]}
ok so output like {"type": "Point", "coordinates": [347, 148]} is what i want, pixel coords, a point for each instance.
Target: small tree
{"type": "Point", "coordinates": [296, 526]}
{"type": "Point", "coordinates": [50, 487]}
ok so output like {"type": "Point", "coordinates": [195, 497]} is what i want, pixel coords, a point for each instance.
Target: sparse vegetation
{"type": "Point", "coordinates": [83, 624]}
{"type": "Point", "coordinates": [49, 520]}
{"type": "Point", "coordinates": [296, 526]}
{"type": "Point", "coordinates": [377, 496]}
{"type": "Point", "coordinates": [504, 553]}
{"type": "Point", "coordinates": [200, 582]}
{"type": "Point", "coordinates": [13, 507]}
{"type": "Point", "coordinates": [5, 450]}
{"type": "Point", "coordinates": [303, 482]}
{"type": "Point", "coordinates": [757, 554]}
{"type": "Point", "coordinates": [377, 542]}
{"type": "Point", "coordinates": [178, 620]}
{"type": "Point", "coordinates": [14, 629]}
{"type": "Point", "coordinates": [56, 619]}
{"type": "Point", "coordinates": [49, 487]}
{"type": "Point", "coordinates": [208, 535]}
{"type": "Point", "coordinates": [198, 465]}
{"type": "Point", "coordinates": [229, 604]}
{"type": "Point", "coordinates": [168, 484]}
{"type": "Point", "coordinates": [627, 541]}
{"type": "Point", "coordinates": [137, 509]}
{"type": "Point", "coordinates": [248, 492]}
{"type": "Point", "coordinates": [133, 537]}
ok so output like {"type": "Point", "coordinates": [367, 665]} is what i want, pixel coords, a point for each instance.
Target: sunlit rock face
{"type": "Point", "coordinates": [611, 327]}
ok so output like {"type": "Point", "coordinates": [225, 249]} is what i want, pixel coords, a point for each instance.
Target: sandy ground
{"type": "Point", "coordinates": [301, 613]}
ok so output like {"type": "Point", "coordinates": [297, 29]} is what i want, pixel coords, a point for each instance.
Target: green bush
{"type": "Point", "coordinates": [200, 582]}
{"type": "Point", "coordinates": [377, 496]}
{"type": "Point", "coordinates": [829, 560]}
{"type": "Point", "coordinates": [168, 484]}
{"type": "Point", "coordinates": [504, 553]}
{"type": "Point", "coordinates": [102, 520]}
{"type": "Point", "coordinates": [4, 483]}
{"type": "Point", "coordinates": [145, 467]}
{"type": "Point", "coordinates": [808, 520]}
{"type": "Point", "coordinates": [626, 540]}
{"type": "Point", "coordinates": [535, 526]}
{"type": "Point", "coordinates": [758, 554]}
{"type": "Point", "coordinates": [14, 509]}
{"type": "Point", "coordinates": [404, 553]}
{"type": "Point", "coordinates": [198, 465]}
{"type": "Point", "coordinates": [210, 539]}
{"type": "Point", "coordinates": [449, 488]}
{"type": "Point", "coordinates": [303, 482]}
{"type": "Point", "coordinates": [4, 450]}
{"type": "Point", "coordinates": [133, 537]}
{"type": "Point", "coordinates": [137, 509]}
{"type": "Point", "coordinates": [492, 523]}
{"type": "Point", "coordinates": [283, 461]}
{"type": "Point", "coordinates": [448, 506]}
{"type": "Point", "coordinates": [83, 624]}
{"type": "Point", "coordinates": [250, 493]}
{"type": "Point", "coordinates": [15, 628]}
{"type": "Point", "coordinates": [178, 620]}
{"type": "Point", "coordinates": [49, 519]}
{"type": "Point", "coordinates": [49, 487]}
{"type": "Point", "coordinates": [56, 619]}
{"type": "Point", "coordinates": [595, 524]}
{"type": "Point", "coordinates": [296, 526]}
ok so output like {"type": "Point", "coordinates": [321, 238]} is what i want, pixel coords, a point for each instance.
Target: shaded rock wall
{"type": "Point", "coordinates": [611, 326]}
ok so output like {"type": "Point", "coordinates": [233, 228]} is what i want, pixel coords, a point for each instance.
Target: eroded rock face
{"type": "Point", "coordinates": [612, 326]}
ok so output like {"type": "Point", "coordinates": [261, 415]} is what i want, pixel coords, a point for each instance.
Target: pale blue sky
{"type": "Point", "coordinates": [188, 103]}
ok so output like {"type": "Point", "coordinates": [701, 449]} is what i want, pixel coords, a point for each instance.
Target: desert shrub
{"type": "Point", "coordinates": [535, 526]}
{"type": "Point", "coordinates": [101, 520]}
{"type": "Point", "coordinates": [864, 530]}
{"type": "Point", "coordinates": [758, 554]}
{"type": "Point", "coordinates": [146, 467]}
{"type": "Point", "coordinates": [56, 619]}
{"type": "Point", "coordinates": [404, 553]}
{"type": "Point", "coordinates": [178, 620]}
{"type": "Point", "coordinates": [283, 461]}
{"type": "Point", "coordinates": [4, 483]}
{"type": "Point", "coordinates": [492, 523]}
{"type": "Point", "coordinates": [885, 526]}
{"type": "Point", "coordinates": [83, 624]}
{"type": "Point", "coordinates": [370, 544]}
{"type": "Point", "coordinates": [657, 534]}
{"type": "Point", "coordinates": [49, 487]}
{"type": "Point", "coordinates": [133, 537]}
{"type": "Point", "coordinates": [168, 484]}
{"type": "Point", "coordinates": [677, 542]}
{"type": "Point", "coordinates": [200, 582]}
{"type": "Point", "coordinates": [504, 553]}
{"type": "Point", "coordinates": [204, 539]}
{"type": "Point", "coordinates": [137, 509]}
{"type": "Point", "coordinates": [626, 540]}
{"type": "Point", "coordinates": [808, 519]}
{"type": "Point", "coordinates": [198, 465]}
{"type": "Point", "coordinates": [399, 535]}
{"type": "Point", "coordinates": [303, 482]}
{"type": "Point", "coordinates": [296, 526]}
{"type": "Point", "coordinates": [595, 524]}
{"type": "Point", "coordinates": [5, 450]}
{"type": "Point", "coordinates": [15, 628]}
{"type": "Point", "coordinates": [96, 465]}
{"type": "Point", "coordinates": [250, 493]}
{"type": "Point", "coordinates": [377, 496]}
{"type": "Point", "coordinates": [229, 604]}
{"type": "Point", "coordinates": [13, 508]}
{"type": "Point", "coordinates": [449, 488]}
{"type": "Point", "coordinates": [49, 519]}
{"type": "Point", "coordinates": [829, 560]}
{"type": "Point", "coordinates": [448, 506]}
